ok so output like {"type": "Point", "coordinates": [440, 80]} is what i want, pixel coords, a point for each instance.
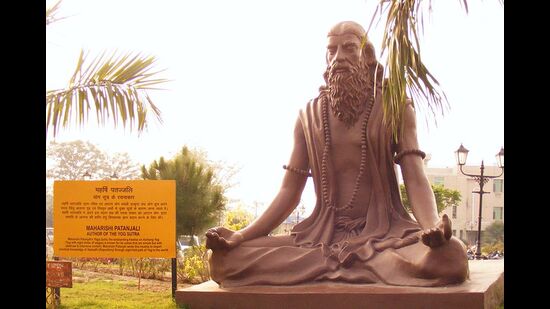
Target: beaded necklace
{"type": "Point", "coordinates": [326, 151]}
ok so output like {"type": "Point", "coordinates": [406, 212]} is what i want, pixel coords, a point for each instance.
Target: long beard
{"type": "Point", "coordinates": [347, 92]}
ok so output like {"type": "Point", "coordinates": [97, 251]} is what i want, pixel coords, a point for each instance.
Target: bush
{"type": "Point", "coordinates": [194, 267]}
{"type": "Point", "coordinates": [489, 248]}
{"type": "Point", "coordinates": [150, 268]}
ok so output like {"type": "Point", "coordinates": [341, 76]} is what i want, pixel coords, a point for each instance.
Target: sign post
{"type": "Point", "coordinates": [59, 274]}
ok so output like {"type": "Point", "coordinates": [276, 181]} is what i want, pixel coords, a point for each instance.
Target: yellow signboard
{"type": "Point", "coordinates": [115, 218]}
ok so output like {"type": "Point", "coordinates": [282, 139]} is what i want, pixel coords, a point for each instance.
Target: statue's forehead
{"type": "Point", "coordinates": [343, 39]}
{"type": "Point", "coordinates": [347, 28]}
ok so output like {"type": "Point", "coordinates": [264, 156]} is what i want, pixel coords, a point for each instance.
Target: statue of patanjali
{"type": "Point", "coordinates": [359, 231]}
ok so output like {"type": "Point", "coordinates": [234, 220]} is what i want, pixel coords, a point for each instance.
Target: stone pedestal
{"type": "Point", "coordinates": [485, 289]}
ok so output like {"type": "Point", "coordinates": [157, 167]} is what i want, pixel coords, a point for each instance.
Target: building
{"type": "Point", "coordinates": [464, 216]}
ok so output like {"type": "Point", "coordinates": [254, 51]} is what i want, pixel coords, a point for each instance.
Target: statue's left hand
{"type": "Point", "coordinates": [222, 238]}
{"type": "Point", "coordinates": [438, 235]}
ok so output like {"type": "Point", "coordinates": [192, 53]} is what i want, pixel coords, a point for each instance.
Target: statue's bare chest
{"type": "Point", "coordinates": [345, 142]}
{"type": "Point", "coordinates": [342, 136]}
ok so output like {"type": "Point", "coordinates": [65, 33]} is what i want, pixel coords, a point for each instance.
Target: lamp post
{"type": "Point", "coordinates": [299, 210]}
{"type": "Point", "coordinates": [481, 179]}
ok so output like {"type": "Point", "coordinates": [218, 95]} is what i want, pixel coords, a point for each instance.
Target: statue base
{"type": "Point", "coordinates": [484, 289]}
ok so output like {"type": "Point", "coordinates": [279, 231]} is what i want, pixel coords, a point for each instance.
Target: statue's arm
{"type": "Point", "coordinates": [289, 194]}
{"type": "Point", "coordinates": [418, 187]}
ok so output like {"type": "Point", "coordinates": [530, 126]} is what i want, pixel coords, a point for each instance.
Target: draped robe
{"type": "Point", "coordinates": [379, 247]}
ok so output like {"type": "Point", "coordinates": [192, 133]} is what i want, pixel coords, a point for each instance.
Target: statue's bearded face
{"type": "Point", "coordinates": [346, 77]}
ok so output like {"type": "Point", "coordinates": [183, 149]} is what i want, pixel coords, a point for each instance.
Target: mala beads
{"type": "Point", "coordinates": [326, 152]}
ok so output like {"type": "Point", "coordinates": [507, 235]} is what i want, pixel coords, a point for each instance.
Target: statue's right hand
{"type": "Point", "coordinates": [221, 238]}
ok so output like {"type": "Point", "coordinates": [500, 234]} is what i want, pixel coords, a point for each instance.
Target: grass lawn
{"type": "Point", "coordinates": [105, 293]}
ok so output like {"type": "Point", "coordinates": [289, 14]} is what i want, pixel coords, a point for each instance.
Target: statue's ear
{"type": "Point", "coordinates": [369, 54]}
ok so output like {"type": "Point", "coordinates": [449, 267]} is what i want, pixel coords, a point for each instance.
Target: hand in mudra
{"type": "Point", "coordinates": [222, 238]}
{"type": "Point", "coordinates": [438, 235]}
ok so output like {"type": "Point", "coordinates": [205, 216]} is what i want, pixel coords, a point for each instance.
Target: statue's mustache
{"type": "Point", "coordinates": [340, 71]}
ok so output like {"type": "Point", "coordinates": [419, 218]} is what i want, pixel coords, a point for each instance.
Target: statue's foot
{"type": "Point", "coordinates": [438, 235]}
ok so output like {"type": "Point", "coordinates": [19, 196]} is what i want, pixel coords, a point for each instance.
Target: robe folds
{"type": "Point", "coordinates": [378, 248]}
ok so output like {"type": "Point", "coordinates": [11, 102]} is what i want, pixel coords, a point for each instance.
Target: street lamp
{"type": "Point", "coordinates": [301, 209]}
{"type": "Point", "coordinates": [481, 179]}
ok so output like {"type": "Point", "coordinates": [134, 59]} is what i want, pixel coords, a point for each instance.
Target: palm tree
{"type": "Point", "coordinates": [114, 86]}
{"type": "Point", "coordinates": [404, 68]}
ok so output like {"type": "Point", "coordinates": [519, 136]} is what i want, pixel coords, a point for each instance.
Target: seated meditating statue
{"type": "Point", "coordinates": [359, 231]}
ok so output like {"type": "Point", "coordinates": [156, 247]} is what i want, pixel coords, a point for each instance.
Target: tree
{"type": "Point", "coordinates": [237, 218]}
{"type": "Point", "coordinates": [200, 197]}
{"type": "Point", "coordinates": [113, 86]}
{"type": "Point", "coordinates": [443, 197]}
{"type": "Point", "coordinates": [404, 68]}
{"type": "Point", "coordinates": [49, 209]}
{"type": "Point", "coordinates": [71, 160]}
{"type": "Point", "coordinates": [494, 233]}
{"type": "Point", "coordinates": [122, 167]}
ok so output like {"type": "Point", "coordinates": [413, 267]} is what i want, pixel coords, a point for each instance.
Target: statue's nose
{"type": "Point", "coordinates": [339, 57]}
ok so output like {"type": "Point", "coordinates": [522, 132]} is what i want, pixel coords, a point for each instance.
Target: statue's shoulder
{"type": "Point", "coordinates": [310, 106]}
{"type": "Point", "coordinates": [313, 104]}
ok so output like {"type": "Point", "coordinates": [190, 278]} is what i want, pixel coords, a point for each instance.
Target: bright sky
{"type": "Point", "coordinates": [241, 71]}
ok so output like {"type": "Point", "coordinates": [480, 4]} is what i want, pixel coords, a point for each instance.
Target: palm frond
{"type": "Point", "coordinates": [114, 86]}
{"type": "Point", "coordinates": [466, 5]}
{"type": "Point", "coordinates": [51, 13]}
{"type": "Point", "coordinates": [405, 72]}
